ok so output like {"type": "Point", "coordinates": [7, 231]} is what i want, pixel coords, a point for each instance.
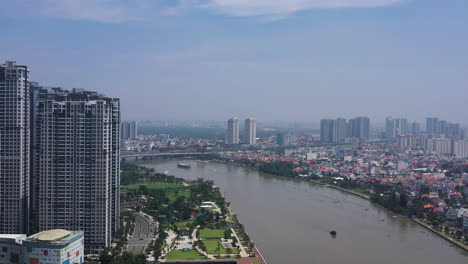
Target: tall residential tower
{"type": "Point", "coordinates": [233, 131]}
{"type": "Point", "coordinates": [250, 131]}
{"type": "Point", "coordinates": [14, 148]}
{"type": "Point", "coordinates": [76, 163]}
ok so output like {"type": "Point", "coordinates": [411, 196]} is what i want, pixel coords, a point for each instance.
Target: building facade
{"type": "Point", "coordinates": [406, 141]}
{"type": "Point", "coordinates": [395, 127]}
{"type": "Point", "coordinates": [10, 249]}
{"type": "Point", "coordinates": [76, 171]}
{"type": "Point", "coordinates": [14, 148]}
{"type": "Point", "coordinates": [250, 131]}
{"type": "Point", "coordinates": [129, 130]}
{"type": "Point", "coordinates": [460, 148]}
{"type": "Point", "coordinates": [326, 130]}
{"type": "Point", "coordinates": [54, 247]}
{"type": "Point", "coordinates": [233, 131]}
{"type": "Point", "coordinates": [359, 127]}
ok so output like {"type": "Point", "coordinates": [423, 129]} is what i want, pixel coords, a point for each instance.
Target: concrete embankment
{"type": "Point", "coordinates": [453, 241]}
{"type": "Point", "coordinates": [349, 191]}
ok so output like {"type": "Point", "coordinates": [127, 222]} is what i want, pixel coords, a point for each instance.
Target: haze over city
{"type": "Point", "coordinates": [296, 60]}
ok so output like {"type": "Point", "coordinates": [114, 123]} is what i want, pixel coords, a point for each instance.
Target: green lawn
{"type": "Point", "coordinates": [211, 233]}
{"type": "Point", "coordinates": [155, 185]}
{"type": "Point", "coordinates": [179, 224]}
{"type": "Point", "coordinates": [179, 255]}
{"type": "Point", "coordinates": [212, 247]}
{"type": "Point", "coordinates": [173, 194]}
{"type": "Point", "coordinates": [255, 262]}
{"type": "Point", "coordinates": [184, 223]}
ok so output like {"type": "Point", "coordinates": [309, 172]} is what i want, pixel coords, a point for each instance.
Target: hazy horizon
{"type": "Point", "coordinates": [296, 60]}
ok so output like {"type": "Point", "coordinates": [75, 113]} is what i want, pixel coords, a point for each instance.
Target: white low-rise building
{"type": "Point", "coordinates": [10, 249]}
{"type": "Point", "coordinates": [55, 246]}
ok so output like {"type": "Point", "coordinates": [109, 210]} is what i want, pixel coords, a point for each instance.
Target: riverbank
{"type": "Point", "coordinates": [444, 236]}
{"type": "Point", "coordinates": [311, 181]}
{"type": "Point", "coordinates": [367, 197]}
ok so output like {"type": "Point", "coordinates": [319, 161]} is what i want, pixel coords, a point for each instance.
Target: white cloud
{"type": "Point", "coordinates": [125, 10]}
{"type": "Point", "coordinates": [285, 7]}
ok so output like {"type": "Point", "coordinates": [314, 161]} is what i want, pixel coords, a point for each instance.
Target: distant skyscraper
{"type": "Point", "coordinates": [129, 130]}
{"type": "Point", "coordinates": [285, 139]}
{"type": "Point", "coordinates": [233, 131]}
{"type": "Point", "coordinates": [395, 127]}
{"type": "Point", "coordinates": [14, 148]}
{"type": "Point", "coordinates": [250, 131]}
{"type": "Point", "coordinates": [326, 130]}
{"type": "Point", "coordinates": [415, 128]}
{"type": "Point", "coordinates": [333, 130]}
{"type": "Point", "coordinates": [432, 126]}
{"type": "Point", "coordinates": [359, 127]}
{"type": "Point", "coordinates": [339, 130]}
{"type": "Point", "coordinates": [77, 163]}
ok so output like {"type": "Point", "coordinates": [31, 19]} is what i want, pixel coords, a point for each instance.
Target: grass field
{"type": "Point", "coordinates": [255, 262]}
{"type": "Point", "coordinates": [173, 194]}
{"type": "Point", "coordinates": [211, 233]}
{"type": "Point", "coordinates": [179, 224]}
{"type": "Point", "coordinates": [214, 247]}
{"type": "Point", "coordinates": [155, 185]}
{"type": "Point", "coordinates": [180, 255]}
{"type": "Point", "coordinates": [184, 223]}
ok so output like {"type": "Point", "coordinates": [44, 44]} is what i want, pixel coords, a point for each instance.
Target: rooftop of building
{"type": "Point", "coordinates": [12, 238]}
{"type": "Point", "coordinates": [55, 236]}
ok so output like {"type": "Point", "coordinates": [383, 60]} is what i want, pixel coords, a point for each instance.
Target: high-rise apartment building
{"type": "Point", "coordinates": [333, 130]}
{"type": "Point", "coordinates": [76, 161]}
{"type": "Point", "coordinates": [359, 127]}
{"type": "Point", "coordinates": [395, 127]}
{"type": "Point", "coordinates": [129, 130]}
{"type": "Point", "coordinates": [339, 130]}
{"type": "Point", "coordinates": [14, 148]}
{"type": "Point", "coordinates": [233, 131]}
{"type": "Point", "coordinates": [436, 127]}
{"type": "Point", "coordinates": [460, 148]}
{"type": "Point", "coordinates": [250, 131]}
{"type": "Point", "coordinates": [326, 130]}
{"type": "Point", "coordinates": [439, 146]}
{"type": "Point", "coordinates": [415, 128]}
{"type": "Point", "coordinates": [406, 141]}
{"type": "Point", "coordinates": [431, 126]}
{"type": "Point", "coordinates": [285, 139]}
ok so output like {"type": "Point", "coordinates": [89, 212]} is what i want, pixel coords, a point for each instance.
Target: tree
{"type": "Point", "coordinates": [227, 234]}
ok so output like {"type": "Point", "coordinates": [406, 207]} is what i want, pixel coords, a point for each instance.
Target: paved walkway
{"type": "Point", "coordinates": [243, 253]}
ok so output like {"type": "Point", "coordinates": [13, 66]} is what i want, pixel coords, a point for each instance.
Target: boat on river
{"type": "Point", "coordinates": [185, 166]}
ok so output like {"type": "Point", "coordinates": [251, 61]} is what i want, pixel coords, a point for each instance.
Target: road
{"type": "Point", "coordinates": [143, 234]}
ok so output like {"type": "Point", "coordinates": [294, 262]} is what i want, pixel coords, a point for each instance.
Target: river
{"type": "Point", "coordinates": [290, 220]}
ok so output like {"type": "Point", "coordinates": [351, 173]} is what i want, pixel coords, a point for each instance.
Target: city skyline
{"type": "Point", "coordinates": [380, 59]}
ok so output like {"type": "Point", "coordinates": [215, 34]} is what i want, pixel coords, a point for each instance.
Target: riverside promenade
{"type": "Point", "coordinates": [349, 191]}
{"type": "Point", "coordinates": [453, 241]}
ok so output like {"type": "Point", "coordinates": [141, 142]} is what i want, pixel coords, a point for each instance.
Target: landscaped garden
{"type": "Point", "coordinates": [179, 254]}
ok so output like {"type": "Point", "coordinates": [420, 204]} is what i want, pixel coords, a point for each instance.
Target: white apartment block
{"type": "Point", "coordinates": [233, 131]}
{"type": "Point", "coordinates": [250, 131]}
{"type": "Point", "coordinates": [460, 148]}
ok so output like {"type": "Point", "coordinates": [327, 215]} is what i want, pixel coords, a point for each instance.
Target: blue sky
{"type": "Point", "coordinates": [272, 59]}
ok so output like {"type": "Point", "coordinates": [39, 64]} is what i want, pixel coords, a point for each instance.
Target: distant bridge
{"type": "Point", "coordinates": [128, 156]}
